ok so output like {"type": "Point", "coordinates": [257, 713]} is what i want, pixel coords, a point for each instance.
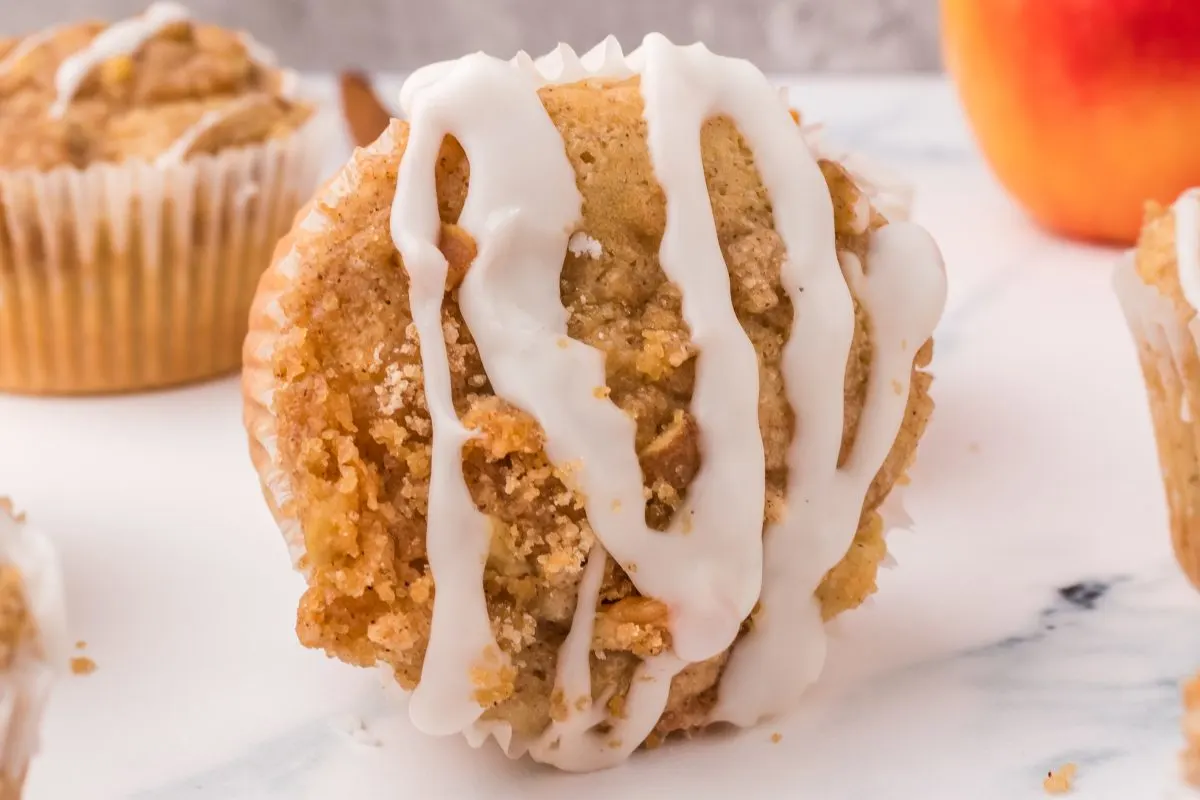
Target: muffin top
{"type": "Point", "coordinates": [158, 87]}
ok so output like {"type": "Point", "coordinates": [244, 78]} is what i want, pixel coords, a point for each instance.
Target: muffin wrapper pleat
{"type": "Point", "coordinates": [135, 275]}
{"type": "Point", "coordinates": [1168, 346]}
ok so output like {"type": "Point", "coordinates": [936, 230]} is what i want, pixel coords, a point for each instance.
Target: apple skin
{"type": "Point", "coordinates": [1084, 109]}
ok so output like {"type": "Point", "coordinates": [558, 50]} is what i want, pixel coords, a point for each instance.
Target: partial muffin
{"type": "Point", "coordinates": [33, 642]}
{"type": "Point", "coordinates": [1158, 285]}
{"type": "Point", "coordinates": [1190, 758]}
{"type": "Point", "coordinates": [577, 394]}
{"type": "Point", "coordinates": [147, 169]}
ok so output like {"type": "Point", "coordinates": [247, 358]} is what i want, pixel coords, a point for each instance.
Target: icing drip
{"type": "Point", "coordinates": [903, 296]}
{"type": "Point", "coordinates": [24, 48]}
{"type": "Point", "coordinates": [522, 207]}
{"type": "Point", "coordinates": [1187, 245]}
{"type": "Point", "coordinates": [520, 212]}
{"type": "Point", "coordinates": [120, 39]}
{"type": "Point", "coordinates": [178, 150]}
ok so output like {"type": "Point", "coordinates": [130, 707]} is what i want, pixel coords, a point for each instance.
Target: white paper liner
{"type": "Point", "coordinates": [25, 687]}
{"type": "Point", "coordinates": [1167, 341]}
{"type": "Point", "coordinates": [134, 275]}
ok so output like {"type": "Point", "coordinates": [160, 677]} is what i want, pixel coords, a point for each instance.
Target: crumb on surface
{"type": "Point", "coordinates": [81, 645]}
{"type": "Point", "coordinates": [776, 737]}
{"type": "Point", "coordinates": [1059, 781]}
{"type": "Point", "coordinates": [82, 665]}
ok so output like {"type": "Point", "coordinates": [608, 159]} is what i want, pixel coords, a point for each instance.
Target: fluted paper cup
{"type": "Point", "coordinates": [137, 275]}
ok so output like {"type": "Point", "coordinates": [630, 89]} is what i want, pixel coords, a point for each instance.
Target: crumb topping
{"type": "Point", "coordinates": [138, 105]}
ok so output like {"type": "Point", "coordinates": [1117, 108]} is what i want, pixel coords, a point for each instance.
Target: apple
{"type": "Point", "coordinates": [1085, 109]}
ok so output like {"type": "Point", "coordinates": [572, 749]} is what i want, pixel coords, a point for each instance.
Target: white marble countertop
{"type": "Point", "coordinates": [1035, 615]}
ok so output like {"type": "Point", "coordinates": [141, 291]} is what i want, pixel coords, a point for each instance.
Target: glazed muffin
{"type": "Point", "coordinates": [147, 169]}
{"type": "Point", "coordinates": [1158, 285]}
{"type": "Point", "coordinates": [576, 397]}
{"type": "Point", "coordinates": [33, 642]}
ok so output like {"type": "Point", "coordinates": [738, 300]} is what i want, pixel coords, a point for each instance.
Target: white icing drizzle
{"type": "Point", "coordinates": [178, 150]}
{"type": "Point", "coordinates": [1187, 245]}
{"type": "Point", "coordinates": [25, 47]}
{"type": "Point", "coordinates": [904, 295]}
{"type": "Point", "coordinates": [120, 39]}
{"type": "Point", "coordinates": [521, 208]}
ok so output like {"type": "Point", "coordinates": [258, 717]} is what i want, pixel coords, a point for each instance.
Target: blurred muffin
{"type": "Point", "coordinates": [33, 642]}
{"type": "Point", "coordinates": [147, 169]}
{"type": "Point", "coordinates": [1158, 285]}
{"type": "Point", "coordinates": [577, 394]}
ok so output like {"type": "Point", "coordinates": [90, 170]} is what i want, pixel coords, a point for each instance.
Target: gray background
{"type": "Point", "coordinates": [779, 35]}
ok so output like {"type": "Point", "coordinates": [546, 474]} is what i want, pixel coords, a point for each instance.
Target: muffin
{"type": "Point", "coordinates": [577, 394]}
{"type": "Point", "coordinates": [1158, 285]}
{"type": "Point", "coordinates": [147, 169]}
{"type": "Point", "coordinates": [33, 642]}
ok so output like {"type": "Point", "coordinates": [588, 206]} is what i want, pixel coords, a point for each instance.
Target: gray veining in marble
{"type": "Point", "coordinates": [780, 35]}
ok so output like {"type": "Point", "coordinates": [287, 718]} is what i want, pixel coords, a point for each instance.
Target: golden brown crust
{"type": "Point", "coordinates": [136, 106]}
{"type": "Point", "coordinates": [353, 436]}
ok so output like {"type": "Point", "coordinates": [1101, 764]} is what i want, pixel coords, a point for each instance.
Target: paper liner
{"type": "Point", "coordinates": [1166, 338]}
{"type": "Point", "coordinates": [25, 686]}
{"type": "Point", "coordinates": [134, 275]}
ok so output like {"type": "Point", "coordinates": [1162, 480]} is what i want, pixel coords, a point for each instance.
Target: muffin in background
{"type": "Point", "coordinates": [33, 642]}
{"type": "Point", "coordinates": [147, 169]}
{"type": "Point", "coordinates": [1158, 285]}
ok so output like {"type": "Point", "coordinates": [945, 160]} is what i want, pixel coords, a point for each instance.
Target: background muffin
{"type": "Point", "coordinates": [146, 170]}
{"type": "Point", "coordinates": [342, 430]}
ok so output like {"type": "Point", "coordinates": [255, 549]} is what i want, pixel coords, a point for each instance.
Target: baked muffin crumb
{"type": "Point", "coordinates": [1060, 781]}
{"type": "Point", "coordinates": [82, 665]}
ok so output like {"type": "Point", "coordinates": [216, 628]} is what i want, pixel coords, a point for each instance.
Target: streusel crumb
{"type": "Point", "coordinates": [136, 106]}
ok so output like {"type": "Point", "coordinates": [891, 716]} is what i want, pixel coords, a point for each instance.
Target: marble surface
{"type": "Point", "coordinates": [1034, 616]}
